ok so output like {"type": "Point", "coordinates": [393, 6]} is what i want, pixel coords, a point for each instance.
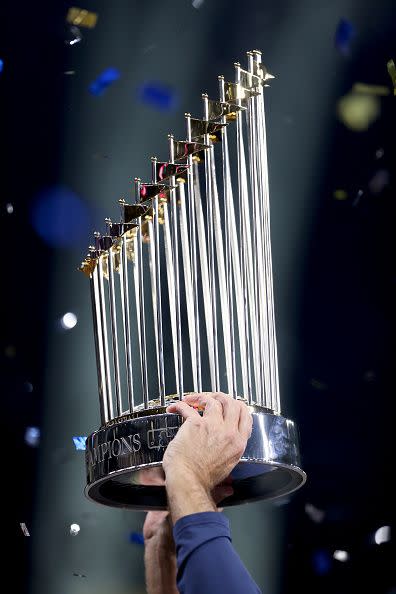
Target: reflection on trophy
{"type": "Point", "coordinates": [182, 300]}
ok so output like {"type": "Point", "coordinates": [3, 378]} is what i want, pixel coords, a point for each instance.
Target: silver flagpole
{"type": "Point", "coordinates": [194, 268]}
{"type": "Point", "coordinates": [141, 313]}
{"type": "Point", "coordinates": [158, 309]}
{"type": "Point", "coordinates": [104, 411]}
{"type": "Point", "coordinates": [114, 333]}
{"type": "Point", "coordinates": [124, 289]}
{"type": "Point", "coordinates": [175, 253]}
{"type": "Point", "coordinates": [103, 321]}
{"type": "Point", "coordinates": [211, 250]}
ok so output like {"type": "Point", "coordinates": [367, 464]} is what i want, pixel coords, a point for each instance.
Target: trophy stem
{"type": "Point", "coordinates": [124, 288]}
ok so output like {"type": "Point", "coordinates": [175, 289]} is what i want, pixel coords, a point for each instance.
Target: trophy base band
{"type": "Point", "coordinates": [124, 460]}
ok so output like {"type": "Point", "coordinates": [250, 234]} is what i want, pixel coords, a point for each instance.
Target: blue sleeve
{"type": "Point", "coordinates": [206, 560]}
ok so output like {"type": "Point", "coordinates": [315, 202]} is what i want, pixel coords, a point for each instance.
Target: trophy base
{"type": "Point", "coordinates": [124, 460]}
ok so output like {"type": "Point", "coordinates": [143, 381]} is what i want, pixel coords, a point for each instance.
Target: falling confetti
{"type": "Point", "coordinates": [74, 529]}
{"type": "Point", "coordinates": [370, 89]}
{"type": "Point", "coordinates": [75, 36]}
{"type": "Point", "coordinates": [197, 3]}
{"type": "Point", "coordinates": [357, 111]}
{"type": "Point", "coordinates": [315, 514]}
{"type": "Point", "coordinates": [9, 208]}
{"type": "Point", "coordinates": [158, 95]}
{"type": "Point", "coordinates": [1, 65]}
{"type": "Point", "coordinates": [340, 555]}
{"type": "Point", "coordinates": [338, 195]}
{"type": "Point", "coordinates": [136, 538]}
{"type": "Point", "coordinates": [69, 72]}
{"type": "Point", "coordinates": [379, 181]}
{"type": "Point", "coordinates": [357, 199]}
{"type": "Point", "coordinates": [81, 575]}
{"type": "Point", "coordinates": [32, 436]}
{"type": "Point", "coordinates": [104, 80]}
{"type": "Point", "coordinates": [80, 442]}
{"type": "Point", "coordinates": [24, 528]}
{"type": "Point", "coordinates": [344, 34]}
{"type": "Point", "coordinates": [382, 535]}
{"type": "Point", "coordinates": [392, 73]}
{"type": "Point", "coordinates": [379, 153]}
{"type": "Point", "coordinates": [68, 320]}
{"type": "Point", "coordinates": [81, 17]}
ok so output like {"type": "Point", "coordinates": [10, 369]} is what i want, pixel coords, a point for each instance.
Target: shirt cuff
{"type": "Point", "coordinates": [191, 531]}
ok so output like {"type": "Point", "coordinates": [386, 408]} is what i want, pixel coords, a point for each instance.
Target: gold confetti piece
{"type": "Point", "coordinates": [81, 17]}
{"type": "Point", "coordinates": [357, 111]}
{"type": "Point", "coordinates": [24, 529]}
{"type": "Point", "coordinates": [392, 73]}
{"type": "Point", "coordinates": [339, 195]}
{"type": "Point", "coordinates": [370, 89]}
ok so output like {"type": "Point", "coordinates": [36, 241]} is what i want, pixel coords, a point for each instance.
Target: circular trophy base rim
{"type": "Point", "coordinates": [121, 459]}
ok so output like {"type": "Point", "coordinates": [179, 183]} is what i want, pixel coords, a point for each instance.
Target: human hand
{"type": "Point", "coordinates": [206, 448]}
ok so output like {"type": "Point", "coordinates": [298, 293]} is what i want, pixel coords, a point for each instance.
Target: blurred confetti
{"type": "Point", "coordinates": [344, 34]}
{"type": "Point", "coordinates": [321, 562]}
{"type": "Point", "coordinates": [197, 3]}
{"type": "Point", "coordinates": [74, 529]}
{"type": "Point", "coordinates": [340, 555]}
{"type": "Point", "coordinates": [60, 217]}
{"type": "Point", "coordinates": [81, 575]}
{"type": "Point", "coordinates": [357, 111]}
{"type": "Point", "coordinates": [382, 535]}
{"type": "Point", "coordinates": [81, 17]}
{"type": "Point", "coordinates": [340, 194]}
{"type": "Point", "coordinates": [69, 72]}
{"type": "Point", "coordinates": [9, 208]}
{"type": "Point", "coordinates": [28, 387]}
{"type": "Point", "coordinates": [315, 514]}
{"type": "Point", "coordinates": [75, 36]}
{"type": "Point", "coordinates": [1, 65]}
{"type": "Point", "coordinates": [104, 80]}
{"type": "Point", "coordinates": [68, 320]}
{"type": "Point", "coordinates": [32, 436]}
{"type": "Point", "coordinates": [392, 73]}
{"type": "Point", "coordinates": [10, 351]}
{"type": "Point", "coordinates": [370, 89]}
{"type": "Point", "coordinates": [379, 153]}
{"type": "Point", "coordinates": [379, 181]}
{"type": "Point", "coordinates": [136, 538]}
{"type": "Point", "coordinates": [369, 376]}
{"type": "Point", "coordinates": [158, 95]}
{"type": "Point", "coordinates": [357, 199]}
{"type": "Point", "coordinates": [79, 442]}
{"type": "Point", "coordinates": [24, 528]}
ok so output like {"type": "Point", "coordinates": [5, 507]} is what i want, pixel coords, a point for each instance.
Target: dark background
{"type": "Point", "coordinates": [334, 268]}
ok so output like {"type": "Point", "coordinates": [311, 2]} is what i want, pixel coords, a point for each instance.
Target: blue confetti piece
{"type": "Point", "coordinates": [1, 65]}
{"type": "Point", "coordinates": [32, 436]}
{"type": "Point", "coordinates": [60, 217]}
{"type": "Point", "coordinates": [158, 95]}
{"type": "Point", "coordinates": [80, 442]}
{"type": "Point", "coordinates": [344, 34]}
{"type": "Point", "coordinates": [104, 80]}
{"type": "Point", "coordinates": [321, 561]}
{"type": "Point", "coordinates": [136, 538]}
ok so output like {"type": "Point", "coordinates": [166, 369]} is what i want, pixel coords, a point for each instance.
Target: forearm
{"type": "Point", "coordinates": [186, 496]}
{"type": "Point", "coordinates": [160, 569]}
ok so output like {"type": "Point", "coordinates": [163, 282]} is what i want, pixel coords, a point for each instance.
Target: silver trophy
{"type": "Point", "coordinates": [182, 300]}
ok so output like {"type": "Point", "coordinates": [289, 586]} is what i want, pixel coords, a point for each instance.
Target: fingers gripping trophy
{"type": "Point", "coordinates": [183, 310]}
